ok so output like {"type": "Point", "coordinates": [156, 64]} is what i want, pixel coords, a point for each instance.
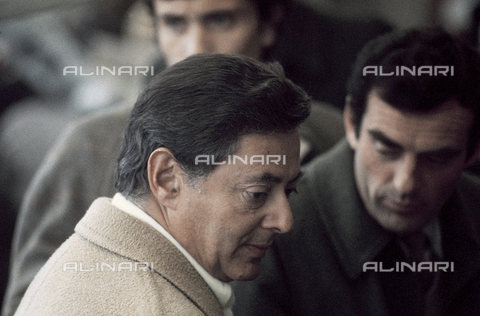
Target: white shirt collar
{"type": "Point", "coordinates": [223, 291]}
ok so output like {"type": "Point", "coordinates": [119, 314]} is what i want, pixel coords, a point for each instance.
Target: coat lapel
{"type": "Point", "coordinates": [113, 229]}
{"type": "Point", "coordinates": [356, 237]}
{"type": "Point", "coordinates": [461, 246]}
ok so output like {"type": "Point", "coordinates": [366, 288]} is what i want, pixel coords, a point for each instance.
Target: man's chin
{"type": "Point", "coordinates": [401, 225]}
{"type": "Point", "coordinates": [249, 273]}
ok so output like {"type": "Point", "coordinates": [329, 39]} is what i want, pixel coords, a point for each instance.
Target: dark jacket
{"type": "Point", "coordinates": [317, 268]}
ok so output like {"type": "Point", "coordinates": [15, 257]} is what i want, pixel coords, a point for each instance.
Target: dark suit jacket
{"type": "Point", "coordinates": [317, 268]}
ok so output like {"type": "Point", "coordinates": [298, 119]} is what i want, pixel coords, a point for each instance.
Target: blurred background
{"type": "Point", "coordinates": [38, 39]}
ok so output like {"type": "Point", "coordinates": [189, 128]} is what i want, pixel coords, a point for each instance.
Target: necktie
{"type": "Point", "coordinates": [417, 248]}
{"type": "Point", "coordinates": [401, 289]}
{"type": "Point", "coordinates": [406, 291]}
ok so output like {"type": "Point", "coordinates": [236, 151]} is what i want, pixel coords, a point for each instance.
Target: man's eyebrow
{"type": "Point", "coordinates": [270, 178]}
{"type": "Point", "coordinates": [380, 136]}
{"type": "Point", "coordinates": [447, 151]}
{"type": "Point", "coordinates": [168, 17]}
{"type": "Point", "coordinates": [203, 17]}
{"type": "Point", "coordinates": [221, 12]}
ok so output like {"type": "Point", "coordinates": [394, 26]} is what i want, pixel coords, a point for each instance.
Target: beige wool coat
{"type": "Point", "coordinates": [115, 264]}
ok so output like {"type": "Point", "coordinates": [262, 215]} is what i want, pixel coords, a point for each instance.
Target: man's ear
{"type": "Point", "coordinates": [349, 122]}
{"type": "Point", "coordinates": [164, 177]}
{"type": "Point", "coordinates": [271, 26]}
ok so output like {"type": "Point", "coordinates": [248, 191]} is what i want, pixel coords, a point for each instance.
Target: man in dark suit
{"type": "Point", "coordinates": [387, 222]}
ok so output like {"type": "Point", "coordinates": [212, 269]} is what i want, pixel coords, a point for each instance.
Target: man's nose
{"type": "Point", "coordinates": [406, 178]}
{"type": "Point", "coordinates": [279, 217]}
{"type": "Point", "coordinates": [198, 41]}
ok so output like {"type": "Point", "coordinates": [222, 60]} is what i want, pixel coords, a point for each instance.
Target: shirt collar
{"type": "Point", "coordinates": [223, 291]}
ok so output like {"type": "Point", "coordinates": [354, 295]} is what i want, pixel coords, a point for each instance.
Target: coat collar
{"type": "Point", "coordinates": [461, 241]}
{"type": "Point", "coordinates": [119, 232]}
{"type": "Point", "coordinates": [358, 238]}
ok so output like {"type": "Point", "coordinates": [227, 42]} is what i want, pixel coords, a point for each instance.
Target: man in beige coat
{"type": "Point", "coordinates": [80, 167]}
{"type": "Point", "coordinates": [210, 155]}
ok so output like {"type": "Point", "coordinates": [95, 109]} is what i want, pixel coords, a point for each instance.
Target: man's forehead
{"type": "Point", "coordinates": [271, 158]}
{"type": "Point", "coordinates": [446, 126]}
{"type": "Point", "coordinates": [200, 7]}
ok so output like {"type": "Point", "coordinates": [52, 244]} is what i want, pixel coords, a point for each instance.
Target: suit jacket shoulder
{"type": "Point", "coordinates": [322, 129]}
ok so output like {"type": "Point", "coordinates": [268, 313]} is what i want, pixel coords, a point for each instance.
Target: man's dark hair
{"type": "Point", "coordinates": [201, 106]}
{"type": "Point", "coordinates": [264, 7]}
{"type": "Point", "coordinates": [417, 93]}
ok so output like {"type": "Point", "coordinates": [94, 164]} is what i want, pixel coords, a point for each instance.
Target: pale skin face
{"type": "Point", "coordinates": [228, 220]}
{"type": "Point", "coordinates": [187, 27]}
{"type": "Point", "coordinates": [407, 165]}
